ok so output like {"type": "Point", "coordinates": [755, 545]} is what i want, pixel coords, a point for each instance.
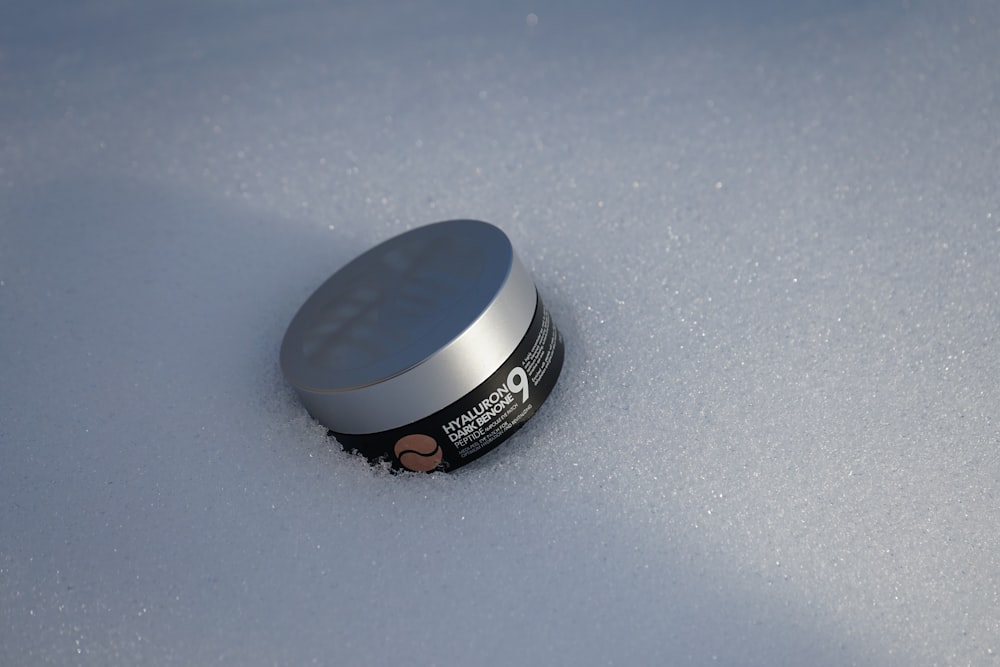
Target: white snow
{"type": "Point", "coordinates": [770, 233]}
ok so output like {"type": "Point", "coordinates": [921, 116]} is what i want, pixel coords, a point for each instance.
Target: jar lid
{"type": "Point", "coordinates": [408, 327]}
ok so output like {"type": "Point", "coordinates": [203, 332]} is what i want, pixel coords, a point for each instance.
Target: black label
{"type": "Point", "coordinates": [483, 418]}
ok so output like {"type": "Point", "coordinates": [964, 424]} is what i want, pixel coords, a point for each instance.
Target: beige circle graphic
{"type": "Point", "coordinates": [418, 452]}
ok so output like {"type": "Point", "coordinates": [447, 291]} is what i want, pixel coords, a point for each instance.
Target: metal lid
{"type": "Point", "coordinates": [408, 327]}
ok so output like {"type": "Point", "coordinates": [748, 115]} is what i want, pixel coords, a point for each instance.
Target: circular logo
{"type": "Point", "coordinates": [418, 452]}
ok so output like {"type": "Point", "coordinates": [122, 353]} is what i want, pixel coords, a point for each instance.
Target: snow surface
{"type": "Point", "coordinates": [770, 233]}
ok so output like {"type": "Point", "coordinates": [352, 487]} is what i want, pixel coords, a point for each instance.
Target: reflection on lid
{"type": "Point", "coordinates": [389, 300]}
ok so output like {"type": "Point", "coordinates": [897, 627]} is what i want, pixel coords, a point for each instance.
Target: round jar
{"type": "Point", "coordinates": [427, 351]}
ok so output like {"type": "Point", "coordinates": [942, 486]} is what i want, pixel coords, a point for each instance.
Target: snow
{"type": "Point", "coordinates": [770, 236]}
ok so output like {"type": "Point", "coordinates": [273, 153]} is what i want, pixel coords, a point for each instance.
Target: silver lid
{"type": "Point", "coordinates": [408, 327]}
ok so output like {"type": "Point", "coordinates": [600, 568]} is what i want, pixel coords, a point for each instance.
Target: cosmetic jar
{"type": "Point", "coordinates": [427, 351]}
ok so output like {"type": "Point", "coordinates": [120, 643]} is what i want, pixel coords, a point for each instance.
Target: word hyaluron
{"type": "Point", "coordinates": [427, 351]}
